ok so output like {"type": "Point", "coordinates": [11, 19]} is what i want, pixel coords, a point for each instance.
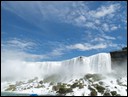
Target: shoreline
{"type": "Point", "coordinates": [27, 93]}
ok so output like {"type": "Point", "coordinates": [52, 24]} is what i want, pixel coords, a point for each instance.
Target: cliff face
{"type": "Point", "coordinates": [119, 57]}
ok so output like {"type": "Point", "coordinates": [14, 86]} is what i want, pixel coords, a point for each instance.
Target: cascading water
{"type": "Point", "coordinates": [100, 63]}
{"type": "Point", "coordinates": [76, 67]}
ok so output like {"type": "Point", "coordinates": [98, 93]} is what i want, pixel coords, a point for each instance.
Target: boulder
{"type": "Point", "coordinates": [11, 88]}
{"type": "Point", "coordinates": [99, 88]}
{"type": "Point", "coordinates": [93, 93]}
{"type": "Point", "coordinates": [114, 93]}
{"type": "Point", "coordinates": [107, 94]}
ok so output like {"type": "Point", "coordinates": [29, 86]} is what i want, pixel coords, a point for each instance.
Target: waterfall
{"type": "Point", "coordinates": [100, 63]}
{"type": "Point", "coordinates": [76, 67]}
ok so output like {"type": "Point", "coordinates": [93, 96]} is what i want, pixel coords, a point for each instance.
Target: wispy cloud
{"type": "Point", "coordinates": [115, 27]}
{"type": "Point", "coordinates": [20, 50]}
{"type": "Point", "coordinates": [105, 27]}
{"type": "Point", "coordinates": [105, 10]}
{"type": "Point", "coordinates": [13, 54]}
{"type": "Point", "coordinates": [96, 21]}
{"type": "Point", "coordinates": [86, 46]}
{"type": "Point", "coordinates": [76, 13]}
{"type": "Point", "coordinates": [18, 44]}
{"type": "Point", "coordinates": [57, 52]}
{"type": "Point", "coordinates": [108, 38]}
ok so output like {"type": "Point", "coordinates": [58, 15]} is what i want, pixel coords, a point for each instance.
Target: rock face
{"type": "Point", "coordinates": [121, 54]}
{"type": "Point", "coordinates": [117, 57]}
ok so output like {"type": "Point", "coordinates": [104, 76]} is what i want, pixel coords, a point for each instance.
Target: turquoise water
{"type": "Point", "coordinates": [13, 94]}
{"type": "Point", "coordinates": [18, 94]}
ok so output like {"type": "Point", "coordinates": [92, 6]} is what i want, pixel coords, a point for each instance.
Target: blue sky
{"type": "Point", "coordinates": [60, 30]}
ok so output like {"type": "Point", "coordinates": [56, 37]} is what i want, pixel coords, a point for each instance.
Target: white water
{"type": "Point", "coordinates": [69, 69]}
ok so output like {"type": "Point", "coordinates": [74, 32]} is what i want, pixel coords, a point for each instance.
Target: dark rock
{"type": "Point", "coordinates": [93, 93]}
{"type": "Point", "coordinates": [69, 90]}
{"type": "Point", "coordinates": [74, 85]}
{"type": "Point", "coordinates": [64, 90]}
{"type": "Point", "coordinates": [41, 82]}
{"type": "Point", "coordinates": [99, 88]}
{"type": "Point", "coordinates": [90, 88]}
{"type": "Point", "coordinates": [81, 79]}
{"type": "Point", "coordinates": [55, 88]}
{"type": "Point", "coordinates": [76, 80]}
{"type": "Point", "coordinates": [107, 94]}
{"type": "Point", "coordinates": [120, 83]}
{"type": "Point", "coordinates": [68, 85]}
{"type": "Point", "coordinates": [117, 57]}
{"type": "Point", "coordinates": [119, 54]}
{"type": "Point", "coordinates": [81, 86]}
{"type": "Point", "coordinates": [113, 93]}
{"type": "Point", "coordinates": [59, 83]}
{"type": "Point", "coordinates": [87, 76]}
{"type": "Point", "coordinates": [124, 48]}
{"type": "Point", "coordinates": [117, 95]}
{"type": "Point", "coordinates": [11, 88]}
{"type": "Point", "coordinates": [95, 77]}
{"type": "Point", "coordinates": [61, 88]}
{"type": "Point", "coordinates": [51, 83]}
{"type": "Point", "coordinates": [101, 83]}
{"type": "Point", "coordinates": [64, 84]}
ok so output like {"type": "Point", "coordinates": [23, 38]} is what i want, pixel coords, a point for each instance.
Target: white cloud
{"type": "Point", "coordinates": [76, 13]}
{"type": "Point", "coordinates": [18, 49]}
{"type": "Point", "coordinates": [114, 28]}
{"type": "Point", "coordinates": [14, 54]}
{"type": "Point", "coordinates": [81, 19]}
{"type": "Point", "coordinates": [19, 44]}
{"type": "Point", "coordinates": [98, 39]}
{"type": "Point", "coordinates": [56, 52]}
{"type": "Point", "coordinates": [90, 24]}
{"type": "Point", "coordinates": [105, 10]}
{"type": "Point", "coordinates": [108, 37]}
{"type": "Point", "coordinates": [86, 46]}
{"type": "Point", "coordinates": [105, 27]}
{"type": "Point", "coordinates": [97, 21]}
{"type": "Point", "coordinates": [77, 46]}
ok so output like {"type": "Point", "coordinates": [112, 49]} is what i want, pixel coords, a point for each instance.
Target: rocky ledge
{"type": "Point", "coordinates": [89, 85]}
{"type": "Point", "coordinates": [119, 56]}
